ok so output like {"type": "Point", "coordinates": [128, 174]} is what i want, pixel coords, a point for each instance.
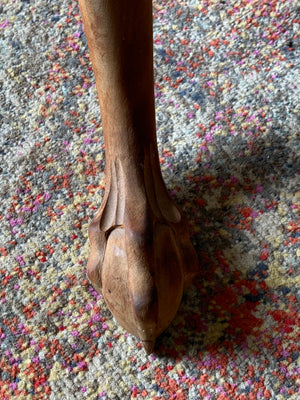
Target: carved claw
{"type": "Point", "coordinates": [141, 257]}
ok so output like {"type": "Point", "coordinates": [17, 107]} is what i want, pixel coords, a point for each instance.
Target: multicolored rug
{"type": "Point", "coordinates": [227, 97]}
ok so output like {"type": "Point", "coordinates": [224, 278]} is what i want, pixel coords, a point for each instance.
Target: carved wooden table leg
{"type": "Point", "coordinates": [141, 256]}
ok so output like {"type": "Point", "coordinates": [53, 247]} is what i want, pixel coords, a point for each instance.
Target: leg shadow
{"type": "Point", "coordinates": [219, 309]}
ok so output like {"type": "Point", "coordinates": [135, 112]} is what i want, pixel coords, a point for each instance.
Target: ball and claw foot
{"type": "Point", "coordinates": [141, 256]}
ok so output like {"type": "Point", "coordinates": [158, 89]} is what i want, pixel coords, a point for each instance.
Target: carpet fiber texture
{"type": "Point", "coordinates": [227, 101]}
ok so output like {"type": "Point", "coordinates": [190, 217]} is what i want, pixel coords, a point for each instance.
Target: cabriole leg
{"type": "Point", "coordinates": [141, 256]}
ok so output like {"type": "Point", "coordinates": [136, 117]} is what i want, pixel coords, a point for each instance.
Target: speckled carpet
{"type": "Point", "coordinates": [227, 98]}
